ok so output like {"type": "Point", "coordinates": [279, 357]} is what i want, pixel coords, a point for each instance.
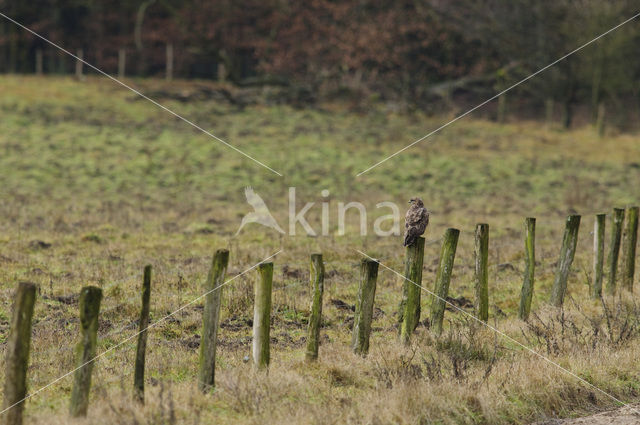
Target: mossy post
{"type": "Point", "coordinates": [364, 306]}
{"type": "Point", "coordinates": [315, 317]}
{"type": "Point", "coordinates": [528, 280]}
{"type": "Point", "coordinates": [17, 354]}
{"type": "Point", "coordinates": [410, 305]}
{"type": "Point", "coordinates": [629, 248]}
{"type": "Point", "coordinates": [481, 305]}
{"type": "Point", "coordinates": [614, 251]}
{"type": "Point", "coordinates": [598, 255]}
{"type": "Point", "coordinates": [567, 252]}
{"type": "Point", "coordinates": [443, 277]}
{"type": "Point", "coordinates": [262, 315]}
{"type": "Point", "coordinates": [138, 378]}
{"type": "Point", "coordinates": [89, 303]}
{"type": "Point", "coordinates": [211, 319]}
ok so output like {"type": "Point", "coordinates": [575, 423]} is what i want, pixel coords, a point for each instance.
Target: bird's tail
{"type": "Point", "coordinates": [409, 239]}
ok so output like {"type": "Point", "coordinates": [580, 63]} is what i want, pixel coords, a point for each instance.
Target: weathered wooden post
{"type": "Point", "coordinates": [39, 62]}
{"type": "Point", "coordinates": [169, 74]}
{"type": "Point", "coordinates": [122, 62]}
{"type": "Point", "coordinates": [262, 316]}
{"type": "Point", "coordinates": [629, 248]}
{"type": "Point", "coordinates": [567, 253]}
{"type": "Point", "coordinates": [409, 311]}
{"type": "Point", "coordinates": [364, 306]}
{"type": "Point", "coordinates": [138, 379]}
{"type": "Point", "coordinates": [598, 255]}
{"type": "Point", "coordinates": [614, 251]}
{"type": "Point", "coordinates": [443, 277]}
{"type": "Point", "coordinates": [529, 268]}
{"type": "Point", "coordinates": [80, 56]}
{"type": "Point", "coordinates": [17, 354]}
{"type": "Point", "coordinates": [89, 304]}
{"type": "Point", "coordinates": [315, 316]}
{"type": "Point", "coordinates": [211, 319]}
{"type": "Point", "coordinates": [481, 305]}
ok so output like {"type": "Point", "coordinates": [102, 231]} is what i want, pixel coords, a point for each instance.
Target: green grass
{"type": "Point", "coordinates": [113, 183]}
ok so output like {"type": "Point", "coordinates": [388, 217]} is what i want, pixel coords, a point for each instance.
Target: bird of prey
{"type": "Point", "coordinates": [260, 212]}
{"type": "Point", "coordinates": [416, 221]}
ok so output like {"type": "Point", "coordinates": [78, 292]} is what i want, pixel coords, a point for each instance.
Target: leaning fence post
{"type": "Point", "coordinates": [567, 253]}
{"type": "Point", "coordinates": [262, 315]}
{"type": "Point", "coordinates": [616, 236]}
{"type": "Point", "coordinates": [629, 248]}
{"type": "Point", "coordinates": [443, 277]}
{"type": "Point", "coordinates": [138, 379]}
{"type": "Point", "coordinates": [529, 268]}
{"type": "Point", "coordinates": [481, 275]}
{"type": "Point", "coordinates": [89, 304]}
{"type": "Point", "coordinates": [315, 316]}
{"type": "Point", "coordinates": [409, 313]}
{"type": "Point", "coordinates": [364, 306]}
{"type": "Point", "coordinates": [212, 306]}
{"type": "Point", "coordinates": [598, 255]}
{"type": "Point", "coordinates": [17, 354]}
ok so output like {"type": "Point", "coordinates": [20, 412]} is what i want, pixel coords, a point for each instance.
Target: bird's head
{"type": "Point", "coordinates": [416, 201]}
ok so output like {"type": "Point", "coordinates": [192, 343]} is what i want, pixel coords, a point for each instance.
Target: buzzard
{"type": "Point", "coordinates": [416, 221]}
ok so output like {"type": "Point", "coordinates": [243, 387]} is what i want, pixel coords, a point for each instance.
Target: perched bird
{"type": "Point", "coordinates": [260, 214]}
{"type": "Point", "coordinates": [416, 221]}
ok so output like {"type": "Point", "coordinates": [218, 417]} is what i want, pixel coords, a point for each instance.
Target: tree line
{"type": "Point", "coordinates": [432, 53]}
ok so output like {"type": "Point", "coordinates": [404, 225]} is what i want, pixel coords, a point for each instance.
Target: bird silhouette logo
{"type": "Point", "coordinates": [260, 212]}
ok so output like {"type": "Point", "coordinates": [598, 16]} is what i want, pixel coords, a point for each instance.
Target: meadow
{"type": "Point", "coordinates": [96, 183]}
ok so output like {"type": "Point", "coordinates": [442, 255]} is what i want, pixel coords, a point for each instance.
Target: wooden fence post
{"type": "Point", "coordinates": [89, 304]}
{"type": "Point", "coordinates": [80, 55]}
{"type": "Point", "coordinates": [529, 268]}
{"type": "Point", "coordinates": [122, 62]}
{"type": "Point", "coordinates": [364, 306]}
{"type": "Point", "coordinates": [614, 251]}
{"type": "Point", "coordinates": [598, 255]}
{"type": "Point", "coordinates": [39, 62]}
{"type": "Point", "coordinates": [262, 316]}
{"type": "Point", "coordinates": [567, 253]}
{"type": "Point", "coordinates": [212, 306]}
{"type": "Point", "coordinates": [169, 74]}
{"type": "Point", "coordinates": [409, 311]}
{"type": "Point", "coordinates": [17, 354]}
{"type": "Point", "coordinates": [315, 316]}
{"type": "Point", "coordinates": [481, 276]}
{"type": "Point", "coordinates": [138, 379]}
{"type": "Point", "coordinates": [629, 248]}
{"type": "Point", "coordinates": [447, 255]}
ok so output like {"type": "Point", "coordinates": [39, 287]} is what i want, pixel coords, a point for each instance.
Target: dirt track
{"type": "Point", "coordinates": [622, 416]}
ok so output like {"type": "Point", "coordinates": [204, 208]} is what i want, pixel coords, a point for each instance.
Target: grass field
{"type": "Point", "coordinates": [96, 183]}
